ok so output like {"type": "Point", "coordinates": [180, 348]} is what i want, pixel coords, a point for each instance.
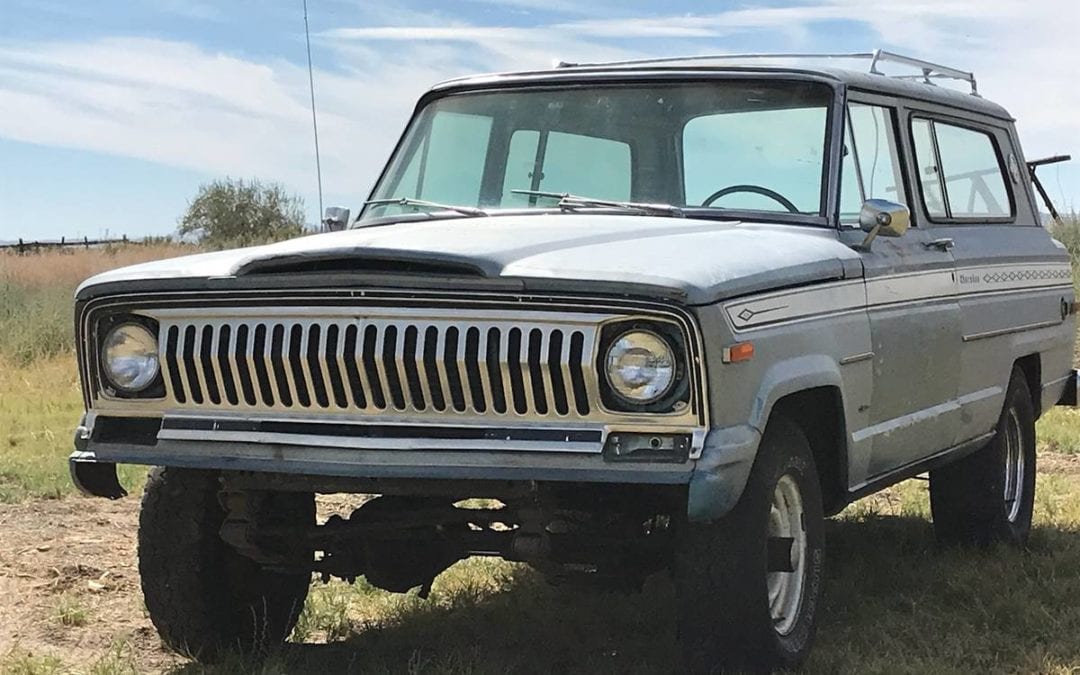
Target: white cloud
{"type": "Point", "coordinates": [181, 105]}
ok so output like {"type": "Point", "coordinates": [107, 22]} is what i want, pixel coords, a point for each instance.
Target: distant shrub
{"type": "Point", "coordinates": [228, 213]}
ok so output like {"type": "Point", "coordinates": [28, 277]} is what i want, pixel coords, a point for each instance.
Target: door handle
{"type": "Point", "coordinates": [943, 244]}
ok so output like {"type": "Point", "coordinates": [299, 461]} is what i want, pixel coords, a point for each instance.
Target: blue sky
{"type": "Point", "coordinates": [113, 112]}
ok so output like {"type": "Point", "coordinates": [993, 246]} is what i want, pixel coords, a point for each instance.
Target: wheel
{"type": "Point", "coordinates": [203, 597]}
{"type": "Point", "coordinates": [748, 585]}
{"type": "Point", "coordinates": [989, 495]}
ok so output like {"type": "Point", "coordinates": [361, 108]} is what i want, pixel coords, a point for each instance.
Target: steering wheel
{"type": "Point", "coordinates": [756, 189]}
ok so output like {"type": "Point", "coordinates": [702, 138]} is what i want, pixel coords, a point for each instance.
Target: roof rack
{"type": "Point", "coordinates": [929, 71]}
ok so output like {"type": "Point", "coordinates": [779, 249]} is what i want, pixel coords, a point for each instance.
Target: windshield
{"type": "Point", "coordinates": [731, 146]}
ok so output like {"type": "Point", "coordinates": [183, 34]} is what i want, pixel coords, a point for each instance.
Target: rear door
{"type": "Point", "coordinates": [1013, 282]}
{"type": "Point", "coordinates": [914, 316]}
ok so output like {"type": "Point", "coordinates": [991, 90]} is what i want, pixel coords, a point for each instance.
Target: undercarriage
{"type": "Point", "coordinates": [401, 534]}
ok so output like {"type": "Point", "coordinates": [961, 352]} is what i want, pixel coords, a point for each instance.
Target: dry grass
{"type": "Point", "coordinates": [36, 294]}
{"type": "Point", "coordinates": [67, 268]}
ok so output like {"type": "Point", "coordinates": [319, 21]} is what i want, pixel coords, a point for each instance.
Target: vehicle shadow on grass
{"type": "Point", "coordinates": [894, 601]}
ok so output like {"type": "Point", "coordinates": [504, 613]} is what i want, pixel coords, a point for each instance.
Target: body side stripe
{"type": "Point", "coordinates": [839, 297]}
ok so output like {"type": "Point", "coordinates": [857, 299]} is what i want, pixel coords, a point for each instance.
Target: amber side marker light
{"type": "Point", "coordinates": [743, 351]}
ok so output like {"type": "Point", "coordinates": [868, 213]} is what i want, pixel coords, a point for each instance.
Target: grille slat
{"type": "Point", "coordinates": [288, 366]}
{"type": "Point", "coordinates": [421, 365]}
{"type": "Point", "coordinates": [406, 400]}
{"type": "Point", "coordinates": [334, 360]}
{"type": "Point", "coordinates": [545, 370]}
{"type": "Point", "coordinates": [504, 370]}
{"type": "Point", "coordinates": [305, 382]}
{"type": "Point", "coordinates": [215, 373]}
{"type": "Point", "coordinates": [267, 374]}
{"type": "Point", "coordinates": [463, 371]}
{"type": "Point", "coordinates": [380, 366]}
{"type": "Point", "coordinates": [482, 369]}
{"type": "Point", "coordinates": [524, 358]}
{"type": "Point", "coordinates": [245, 368]}
{"type": "Point", "coordinates": [185, 351]}
{"type": "Point", "coordinates": [172, 366]}
{"type": "Point", "coordinates": [203, 365]}
{"type": "Point", "coordinates": [440, 368]}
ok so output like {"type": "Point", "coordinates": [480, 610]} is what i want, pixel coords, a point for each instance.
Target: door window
{"type": "Point", "coordinates": [962, 165]}
{"type": "Point", "coordinates": [871, 168]}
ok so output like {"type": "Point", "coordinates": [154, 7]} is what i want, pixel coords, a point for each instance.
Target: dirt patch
{"type": "Point", "coordinates": [1056, 462]}
{"type": "Point", "coordinates": [69, 582]}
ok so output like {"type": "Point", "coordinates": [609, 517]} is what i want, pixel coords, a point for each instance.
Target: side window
{"type": "Point", "coordinates": [582, 165]}
{"type": "Point", "coordinates": [871, 162]}
{"type": "Point", "coordinates": [967, 171]}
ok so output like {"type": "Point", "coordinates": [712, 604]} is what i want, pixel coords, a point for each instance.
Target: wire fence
{"type": "Point", "coordinates": [23, 246]}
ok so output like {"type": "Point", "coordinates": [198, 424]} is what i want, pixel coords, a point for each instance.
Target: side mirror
{"type": "Point", "coordinates": [888, 218]}
{"type": "Point", "coordinates": [336, 218]}
{"type": "Point", "coordinates": [882, 217]}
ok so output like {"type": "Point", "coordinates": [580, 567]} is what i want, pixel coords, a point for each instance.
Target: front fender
{"type": "Point", "coordinates": [791, 376]}
{"type": "Point", "coordinates": [720, 475]}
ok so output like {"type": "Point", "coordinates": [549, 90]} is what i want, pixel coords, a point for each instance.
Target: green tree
{"type": "Point", "coordinates": [233, 212]}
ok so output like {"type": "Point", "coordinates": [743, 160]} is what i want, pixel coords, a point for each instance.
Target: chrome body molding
{"type": "Point", "coordinates": [972, 337]}
{"type": "Point", "coordinates": [856, 358]}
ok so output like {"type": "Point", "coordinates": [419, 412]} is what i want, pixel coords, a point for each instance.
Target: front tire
{"type": "Point", "coordinates": [748, 586]}
{"type": "Point", "coordinates": [989, 496]}
{"type": "Point", "coordinates": [203, 597]}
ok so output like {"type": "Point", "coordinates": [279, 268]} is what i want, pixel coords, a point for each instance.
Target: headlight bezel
{"type": "Point", "coordinates": [155, 388]}
{"type": "Point", "coordinates": [676, 398]}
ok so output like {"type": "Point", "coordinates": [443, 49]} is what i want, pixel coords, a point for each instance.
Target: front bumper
{"type": "Point", "coordinates": [714, 482]}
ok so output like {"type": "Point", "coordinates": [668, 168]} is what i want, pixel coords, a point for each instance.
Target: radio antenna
{"type": "Point", "coordinates": [314, 121]}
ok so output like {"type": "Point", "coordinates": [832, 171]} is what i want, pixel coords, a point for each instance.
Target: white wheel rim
{"type": "Point", "coordinates": [786, 520]}
{"type": "Point", "coordinates": [1014, 467]}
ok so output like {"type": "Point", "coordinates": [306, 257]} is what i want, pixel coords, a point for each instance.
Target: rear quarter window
{"type": "Point", "coordinates": [960, 172]}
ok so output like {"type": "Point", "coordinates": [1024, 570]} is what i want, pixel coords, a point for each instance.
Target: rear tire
{"type": "Point", "coordinates": [203, 597]}
{"type": "Point", "coordinates": [989, 495]}
{"type": "Point", "coordinates": [733, 612]}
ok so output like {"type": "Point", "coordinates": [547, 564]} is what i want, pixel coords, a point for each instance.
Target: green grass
{"type": "Point", "coordinates": [35, 322]}
{"type": "Point", "coordinates": [1059, 430]}
{"type": "Point", "coordinates": [21, 662]}
{"type": "Point", "coordinates": [40, 406]}
{"type": "Point", "coordinates": [70, 611]}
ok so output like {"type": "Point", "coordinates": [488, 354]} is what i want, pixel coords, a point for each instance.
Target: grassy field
{"type": "Point", "coordinates": [894, 601]}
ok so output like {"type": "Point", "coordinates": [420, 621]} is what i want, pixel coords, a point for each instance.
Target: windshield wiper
{"type": "Point", "coordinates": [409, 201]}
{"type": "Point", "coordinates": [569, 202]}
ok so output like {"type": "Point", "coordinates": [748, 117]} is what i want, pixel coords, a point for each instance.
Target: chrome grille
{"type": "Point", "coordinates": [381, 365]}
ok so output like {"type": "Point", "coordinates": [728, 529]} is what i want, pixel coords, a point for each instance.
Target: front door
{"type": "Point", "coordinates": [914, 317]}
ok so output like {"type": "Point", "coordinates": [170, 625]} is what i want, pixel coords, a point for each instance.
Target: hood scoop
{"type": "Point", "coordinates": [367, 261]}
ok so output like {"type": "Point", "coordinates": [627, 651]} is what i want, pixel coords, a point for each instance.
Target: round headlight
{"type": "Point", "coordinates": [129, 357]}
{"type": "Point", "coordinates": [640, 366]}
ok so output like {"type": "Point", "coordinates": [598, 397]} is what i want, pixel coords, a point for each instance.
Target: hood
{"type": "Point", "coordinates": [699, 261]}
